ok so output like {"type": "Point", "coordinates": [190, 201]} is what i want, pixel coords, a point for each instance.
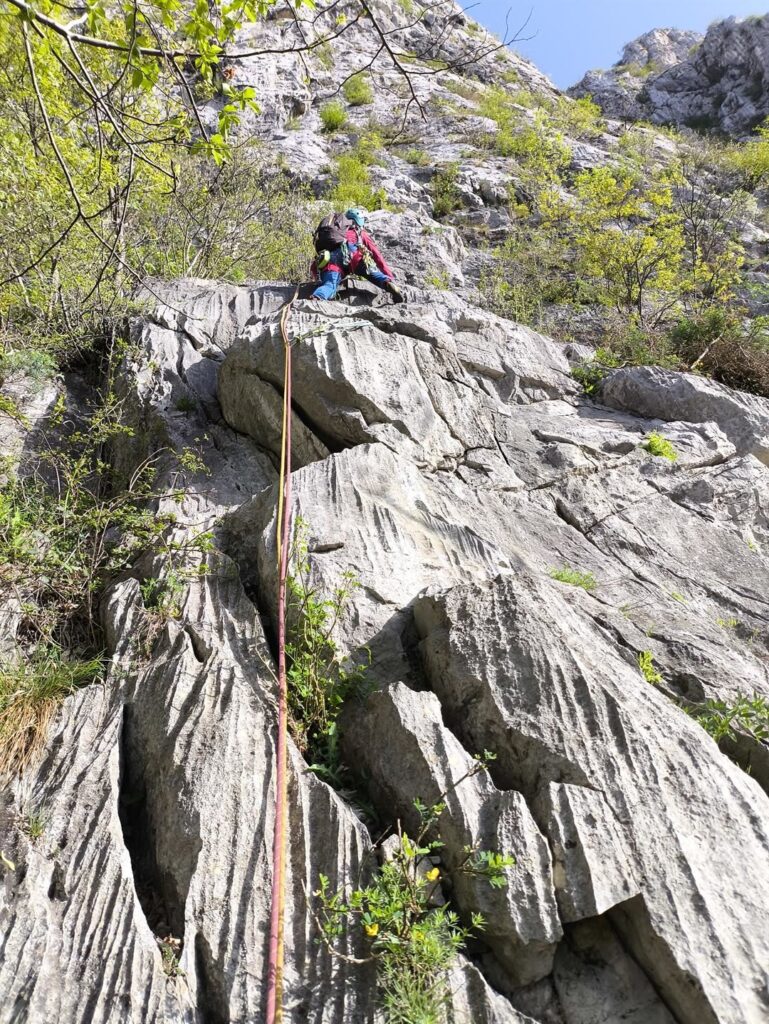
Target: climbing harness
{"type": "Point", "coordinates": [277, 915]}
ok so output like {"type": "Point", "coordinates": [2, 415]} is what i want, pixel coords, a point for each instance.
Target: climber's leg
{"type": "Point", "coordinates": [386, 283]}
{"type": "Point", "coordinates": [329, 284]}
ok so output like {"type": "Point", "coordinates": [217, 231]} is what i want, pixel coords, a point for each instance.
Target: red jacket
{"type": "Point", "coordinates": [357, 257]}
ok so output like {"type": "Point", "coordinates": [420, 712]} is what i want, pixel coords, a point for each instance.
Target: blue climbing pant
{"type": "Point", "coordinates": [329, 284]}
{"type": "Point", "coordinates": [331, 279]}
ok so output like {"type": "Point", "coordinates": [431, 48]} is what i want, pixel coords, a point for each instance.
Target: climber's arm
{"type": "Point", "coordinates": [379, 259]}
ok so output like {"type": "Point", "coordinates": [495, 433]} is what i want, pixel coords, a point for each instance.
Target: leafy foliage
{"type": "Point", "coordinates": [578, 118]}
{"type": "Point", "coordinates": [575, 578]}
{"type": "Point", "coordinates": [538, 146]}
{"type": "Point", "coordinates": [417, 157]}
{"type": "Point", "coordinates": [413, 941]}
{"type": "Point", "coordinates": [319, 680]}
{"type": "Point", "coordinates": [591, 372]}
{"type": "Point", "coordinates": [657, 444]}
{"type": "Point", "coordinates": [727, 720]}
{"type": "Point", "coordinates": [752, 159]}
{"type": "Point", "coordinates": [70, 525]}
{"type": "Point", "coordinates": [446, 195]}
{"type": "Point", "coordinates": [353, 184]}
{"type": "Point", "coordinates": [648, 668]}
{"type": "Point", "coordinates": [625, 233]}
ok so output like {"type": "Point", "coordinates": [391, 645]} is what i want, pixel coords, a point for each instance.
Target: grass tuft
{"type": "Point", "coordinates": [575, 578]}
{"type": "Point", "coordinates": [31, 689]}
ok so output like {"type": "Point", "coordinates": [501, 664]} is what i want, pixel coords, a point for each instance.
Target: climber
{"type": "Point", "coordinates": [342, 247]}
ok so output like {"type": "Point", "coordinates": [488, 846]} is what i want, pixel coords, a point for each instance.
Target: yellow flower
{"type": "Point", "coordinates": [432, 874]}
{"type": "Point", "coordinates": [371, 930]}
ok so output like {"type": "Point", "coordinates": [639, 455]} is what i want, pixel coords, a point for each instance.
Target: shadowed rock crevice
{"type": "Point", "coordinates": [679, 989]}
{"type": "Point", "coordinates": [156, 889]}
{"type": "Point", "coordinates": [212, 1001]}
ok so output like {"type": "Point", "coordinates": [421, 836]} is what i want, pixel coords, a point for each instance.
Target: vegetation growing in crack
{"type": "Point", "coordinates": [170, 950]}
{"type": "Point", "coordinates": [744, 716]}
{"type": "Point", "coordinates": [69, 523]}
{"type": "Point", "coordinates": [657, 444]}
{"type": "Point", "coordinates": [319, 679]}
{"type": "Point", "coordinates": [412, 936]}
{"type": "Point", "coordinates": [575, 578]}
{"type": "Point", "coordinates": [32, 686]}
{"type": "Point", "coordinates": [352, 184]}
{"type": "Point", "coordinates": [648, 668]}
{"type": "Point", "coordinates": [34, 823]}
{"type": "Point", "coordinates": [333, 116]}
{"type": "Point", "coordinates": [445, 192]}
{"type": "Point", "coordinates": [591, 372]}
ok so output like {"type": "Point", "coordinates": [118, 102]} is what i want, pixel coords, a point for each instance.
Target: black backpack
{"type": "Point", "coordinates": [331, 232]}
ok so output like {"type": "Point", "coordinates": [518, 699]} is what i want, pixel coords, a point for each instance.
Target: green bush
{"type": "Point", "coordinates": [353, 185]}
{"type": "Point", "coordinates": [357, 90]}
{"type": "Point", "coordinates": [333, 116]}
{"type": "Point", "coordinates": [446, 196]}
{"type": "Point", "coordinates": [591, 372]}
{"type": "Point", "coordinates": [745, 715]}
{"type": "Point", "coordinates": [68, 525]}
{"type": "Point", "coordinates": [34, 365]}
{"type": "Point", "coordinates": [648, 669]}
{"type": "Point", "coordinates": [752, 158]}
{"type": "Point", "coordinates": [417, 157]}
{"type": "Point", "coordinates": [579, 119]}
{"type": "Point", "coordinates": [413, 941]}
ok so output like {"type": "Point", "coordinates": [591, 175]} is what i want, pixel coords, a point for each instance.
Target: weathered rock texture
{"type": "Point", "coordinates": [666, 76]}
{"type": "Point", "coordinates": [446, 457]}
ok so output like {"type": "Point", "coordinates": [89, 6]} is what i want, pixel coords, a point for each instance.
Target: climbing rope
{"type": "Point", "coordinates": [277, 913]}
{"type": "Point", "coordinates": [275, 956]}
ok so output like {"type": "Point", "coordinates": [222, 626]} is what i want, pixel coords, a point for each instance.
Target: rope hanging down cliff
{"type": "Point", "coordinates": [275, 957]}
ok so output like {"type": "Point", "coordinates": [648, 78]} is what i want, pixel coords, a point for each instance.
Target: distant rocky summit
{"type": "Point", "coordinates": [666, 76]}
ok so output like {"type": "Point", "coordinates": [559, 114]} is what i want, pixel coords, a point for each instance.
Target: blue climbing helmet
{"type": "Point", "coordinates": [356, 216]}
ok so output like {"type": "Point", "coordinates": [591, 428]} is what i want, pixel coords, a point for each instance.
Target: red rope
{"type": "Point", "coordinates": [277, 915]}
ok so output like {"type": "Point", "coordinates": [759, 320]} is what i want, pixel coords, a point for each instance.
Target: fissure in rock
{"type": "Point", "coordinates": [157, 897]}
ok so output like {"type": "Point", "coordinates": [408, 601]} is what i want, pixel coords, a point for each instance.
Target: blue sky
{"type": "Point", "coordinates": [572, 36]}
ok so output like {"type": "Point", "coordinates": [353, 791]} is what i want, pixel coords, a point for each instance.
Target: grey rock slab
{"type": "Point", "coordinates": [598, 982]}
{"type": "Point", "coordinates": [398, 740]}
{"type": "Point", "coordinates": [417, 246]}
{"type": "Point", "coordinates": [352, 382]}
{"type": "Point", "coordinates": [663, 394]}
{"type": "Point", "coordinates": [519, 671]}
{"type": "Point", "coordinates": [474, 1000]}
{"type": "Point", "coordinates": [592, 862]}
{"type": "Point", "coordinates": [688, 582]}
{"type": "Point", "coordinates": [158, 798]}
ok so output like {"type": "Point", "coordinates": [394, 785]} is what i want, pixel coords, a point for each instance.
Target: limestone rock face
{"type": "Point", "coordinates": [446, 458]}
{"type": "Point", "coordinates": [668, 77]}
